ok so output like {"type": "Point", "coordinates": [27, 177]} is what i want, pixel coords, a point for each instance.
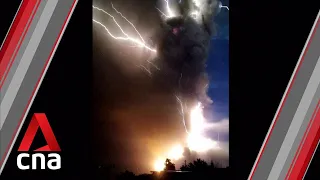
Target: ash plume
{"type": "Point", "coordinates": [135, 116]}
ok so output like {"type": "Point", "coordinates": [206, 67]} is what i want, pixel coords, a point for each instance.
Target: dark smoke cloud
{"type": "Point", "coordinates": [183, 56]}
{"type": "Point", "coordinates": [136, 116]}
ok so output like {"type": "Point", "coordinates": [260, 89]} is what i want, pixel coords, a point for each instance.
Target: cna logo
{"type": "Point", "coordinates": [50, 159]}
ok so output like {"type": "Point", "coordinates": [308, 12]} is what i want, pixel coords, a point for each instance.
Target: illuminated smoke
{"type": "Point", "coordinates": [176, 152]}
{"type": "Point", "coordinates": [162, 13]}
{"type": "Point", "coordinates": [170, 13]}
{"type": "Point", "coordinates": [196, 140]}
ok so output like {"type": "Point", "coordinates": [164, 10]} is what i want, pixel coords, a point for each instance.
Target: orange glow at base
{"type": "Point", "coordinates": [159, 165]}
{"type": "Point", "coordinates": [195, 139]}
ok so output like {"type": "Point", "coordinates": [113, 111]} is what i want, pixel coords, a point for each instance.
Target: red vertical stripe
{"type": "Point", "coordinates": [13, 27]}
{"type": "Point", "coordinates": [301, 143]}
{"type": "Point", "coordinates": [16, 35]}
{"type": "Point", "coordinates": [308, 148]}
{"type": "Point", "coordinates": [38, 82]}
{"type": "Point", "coordinates": [282, 103]}
{"type": "Point", "coordinates": [15, 32]}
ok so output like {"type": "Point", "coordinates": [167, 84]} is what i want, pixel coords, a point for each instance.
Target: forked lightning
{"type": "Point", "coordinates": [140, 42]}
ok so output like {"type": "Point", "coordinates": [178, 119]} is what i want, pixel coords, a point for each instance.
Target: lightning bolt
{"type": "Point", "coordinates": [153, 65]}
{"type": "Point", "coordinates": [140, 42]}
{"type": "Point", "coordinates": [222, 6]}
{"type": "Point", "coordinates": [162, 13]}
{"type": "Point", "coordinates": [182, 113]}
{"type": "Point", "coordinates": [129, 23]}
{"type": "Point", "coordinates": [168, 8]}
{"type": "Point", "coordinates": [146, 69]}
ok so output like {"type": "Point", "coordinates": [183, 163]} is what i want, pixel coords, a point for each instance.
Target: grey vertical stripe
{"type": "Point", "coordinates": [19, 42]}
{"type": "Point", "coordinates": [312, 53]}
{"type": "Point", "coordinates": [297, 121]}
{"type": "Point", "coordinates": [304, 129]}
{"type": "Point", "coordinates": [289, 107]}
{"type": "Point", "coordinates": [27, 58]}
{"type": "Point", "coordinates": [15, 65]}
{"type": "Point", "coordinates": [23, 47]}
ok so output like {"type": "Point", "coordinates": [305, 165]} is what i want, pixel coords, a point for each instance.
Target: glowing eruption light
{"type": "Point", "coordinates": [196, 140]}
{"type": "Point", "coordinates": [176, 152]}
{"type": "Point", "coordinates": [159, 164]}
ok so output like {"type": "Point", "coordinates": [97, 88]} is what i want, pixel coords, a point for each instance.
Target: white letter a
{"type": "Point", "coordinates": [56, 160]}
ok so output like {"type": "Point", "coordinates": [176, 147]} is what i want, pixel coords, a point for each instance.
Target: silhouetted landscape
{"type": "Point", "coordinates": [198, 169]}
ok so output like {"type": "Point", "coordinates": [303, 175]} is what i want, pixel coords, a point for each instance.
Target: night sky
{"type": "Point", "coordinates": [218, 70]}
